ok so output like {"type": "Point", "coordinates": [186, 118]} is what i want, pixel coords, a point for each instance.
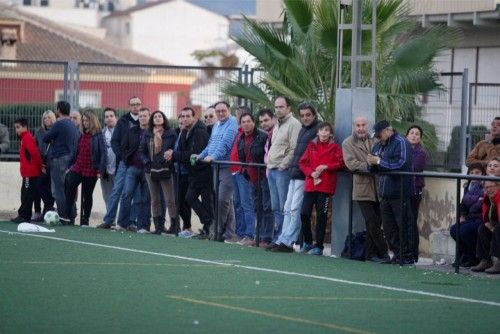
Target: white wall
{"type": "Point", "coordinates": [78, 16]}
{"type": "Point", "coordinates": [172, 31]}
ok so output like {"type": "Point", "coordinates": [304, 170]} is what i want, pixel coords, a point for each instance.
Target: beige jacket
{"type": "Point", "coordinates": [283, 142]}
{"type": "Point", "coordinates": [483, 152]}
{"type": "Point", "coordinates": [355, 152]}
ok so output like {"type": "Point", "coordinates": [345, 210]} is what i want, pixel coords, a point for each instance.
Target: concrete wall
{"type": "Point", "coordinates": [437, 211]}
{"type": "Point", "coordinates": [419, 7]}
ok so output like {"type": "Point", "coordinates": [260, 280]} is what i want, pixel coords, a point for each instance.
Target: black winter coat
{"type": "Point", "coordinates": [168, 141]}
{"type": "Point", "coordinates": [121, 130]}
{"type": "Point", "coordinates": [130, 144]}
{"type": "Point", "coordinates": [306, 134]}
{"type": "Point", "coordinates": [193, 142]}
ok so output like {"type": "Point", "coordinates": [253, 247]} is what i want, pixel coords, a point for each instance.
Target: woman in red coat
{"type": "Point", "coordinates": [488, 234]}
{"type": "Point", "coordinates": [319, 164]}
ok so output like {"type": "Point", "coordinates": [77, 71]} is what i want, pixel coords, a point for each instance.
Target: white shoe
{"type": "Point", "coordinates": [143, 231]}
{"type": "Point", "coordinates": [186, 234]}
{"type": "Point", "coordinates": [118, 228]}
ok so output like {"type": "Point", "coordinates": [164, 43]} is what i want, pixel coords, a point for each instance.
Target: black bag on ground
{"type": "Point", "coordinates": [357, 246]}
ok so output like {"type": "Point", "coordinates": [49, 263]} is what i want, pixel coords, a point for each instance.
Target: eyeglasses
{"type": "Point", "coordinates": [135, 104]}
{"type": "Point", "coordinates": [209, 116]}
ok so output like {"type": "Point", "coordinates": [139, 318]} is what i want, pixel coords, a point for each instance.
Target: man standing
{"type": "Point", "coordinates": [62, 136]}
{"type": "Point", "coordinates": [76, 118]}
{"type": "Point", "coordinates": [199, 175]}
{"type": "Point", "coordinates": [219, 148]}
{"type": "Point", "coordinates": [210, 119]}
{"type": "Point", "coordinates": [250, 149]}
{"type": "Point", "coordinates": [122, 127]}
{"type": "Point", "coordinates": [4, 138]}
{"type": "Point", "coordinates": [108, 178]}
{"type": "Point", "coordinates": [181, 183]}
{"type": "Point", "coordinates": [135, 182]}
{"type": "Point", "coordinates": [292, 221]}
{"type": "Point", "coordinates": [280, 155]}
{"type": "Point", "coordinates": [394, 153]}
{"type": "Point", "coordinates": [486, 149]}
{"type": "Point", "coordinates": [355, 149]}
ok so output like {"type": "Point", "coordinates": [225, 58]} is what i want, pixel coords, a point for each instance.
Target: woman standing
{"type": "Point", "coordinates": [48, 119]}
{"type": "Point", "coordinates": [320, 162]}
{"type": "Point", "coordinates": [419, 159]}
{"type": "Point", "coordinates": [157, 140]}
{"type": "Point", "coordinates": [89, 165]}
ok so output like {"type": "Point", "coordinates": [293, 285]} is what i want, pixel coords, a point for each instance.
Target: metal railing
{"type": "Point", "coordinates": [455, 176]}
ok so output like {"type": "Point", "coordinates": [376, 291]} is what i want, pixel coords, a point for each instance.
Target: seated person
{"type": "Point", "coordinates": [470, 218]}
{"type": "Point", "coordinates": [488, 234]}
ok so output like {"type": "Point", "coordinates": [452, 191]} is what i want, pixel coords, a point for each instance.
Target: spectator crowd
{"type": "Point", "coordinates": [150, 171]}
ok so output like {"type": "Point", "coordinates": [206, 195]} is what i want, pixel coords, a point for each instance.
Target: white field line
{"type": "Point", "coordinates": [275, 271]}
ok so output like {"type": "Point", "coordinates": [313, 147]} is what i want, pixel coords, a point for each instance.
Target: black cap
{"type": "Point", "coordinates": [380, 126]}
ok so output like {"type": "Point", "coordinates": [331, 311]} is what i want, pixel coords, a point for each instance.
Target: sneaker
{"type": "Point", "coordinates": [305, 248]}
{"type": "Point", "coordinates": [143, 231]}
{"type": "Point", "coordinates": [18, 220]}
{"type": "Point", "coordinates": [202, 235]}
{"type": "Point", "coordinates": [119, 228]}
{"type": "Point", "coordinates": [132, 228]}
{"type": "Point", "coordinates": [244, 241]}
{"type": "Point", "coordinates": [232, 241]}
{"type": "Point", "coordinates": [186, 234]}
{"type": "Point", "coordinates": [281, 248]}
{"type": "Point", "coordinates": [315, 251]}
{"type": "Point", "coordinates": [64, 221]}
{"type": "Point", "coordinates": [37, 217]}
{"type": "Point", "coordinates": [271, 246]}
{"type": "Point", "coordinates": [84, 226]}
{"type": "Point", "coordinates": [104, 226]}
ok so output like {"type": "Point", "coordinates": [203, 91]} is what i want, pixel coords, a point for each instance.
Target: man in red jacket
{"type": "Point", "coordinates": [30, 167]}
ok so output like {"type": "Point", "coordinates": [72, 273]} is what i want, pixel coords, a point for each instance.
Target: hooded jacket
{"type": "Point", "coordinates": [318, 153]}
{"type": "Point", "coordinates": [29, 156]}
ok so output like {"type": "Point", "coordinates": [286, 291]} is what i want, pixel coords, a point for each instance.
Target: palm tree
{"type": "Point", "coordinates": [298, 58]}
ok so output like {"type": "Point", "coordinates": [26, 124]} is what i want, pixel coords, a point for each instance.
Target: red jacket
{"type": "Point", "coordinates": [486, 206]}
{"type": "Point", "coordinates": [234, 152]}
{"type": "Point", "coordinates": [318, 153]}
{"type": "Point", "coordinates": [29, 156]}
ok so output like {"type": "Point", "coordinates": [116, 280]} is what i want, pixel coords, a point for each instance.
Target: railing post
{"type": "Point", "coordinates": [259, 209]}
{"type": "Point", "coordinates": [457, 221]}
{"type": "Point", "coordinates": [349, 232]}
{"type": "Point", "coordinates": [402, 230]}
{"type": "Point", "coordinates": [463, 117]}
{"type": "Point", "coordinates": [177, 180]}
{"type": "Point", "coordinates": [216, 200]}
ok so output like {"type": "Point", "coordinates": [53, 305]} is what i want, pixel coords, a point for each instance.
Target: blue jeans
{"type": "Point", "coordinates": [135, 189]}
{"type": "Point", "coordinates": [468, 237]}
{"type": "Point", "coordinates": [244, 190]}
{"type": "Point", "coordinates": [264, 205]}
{"type": "Point", "coordinates": [58, 168]}
{"type": "Point", "coordinates": [278, 189]}
{"type": "Point", "coordinates": [114, 198]}
{"type": "Point", "coordinates": [293, 205]}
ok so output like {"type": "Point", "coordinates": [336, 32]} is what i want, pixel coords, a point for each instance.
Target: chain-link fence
{"type": "Point", "coordinates": [28, 88]}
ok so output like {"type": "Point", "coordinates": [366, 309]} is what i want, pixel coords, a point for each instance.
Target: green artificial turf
{"type": "Point", "coordinates": [59, 287]}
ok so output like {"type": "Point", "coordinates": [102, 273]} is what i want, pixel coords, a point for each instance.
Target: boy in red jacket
{"type": "Point", "coordinates": [30, 167]}
{"type": "Point", "coordinates": [319, 164]}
